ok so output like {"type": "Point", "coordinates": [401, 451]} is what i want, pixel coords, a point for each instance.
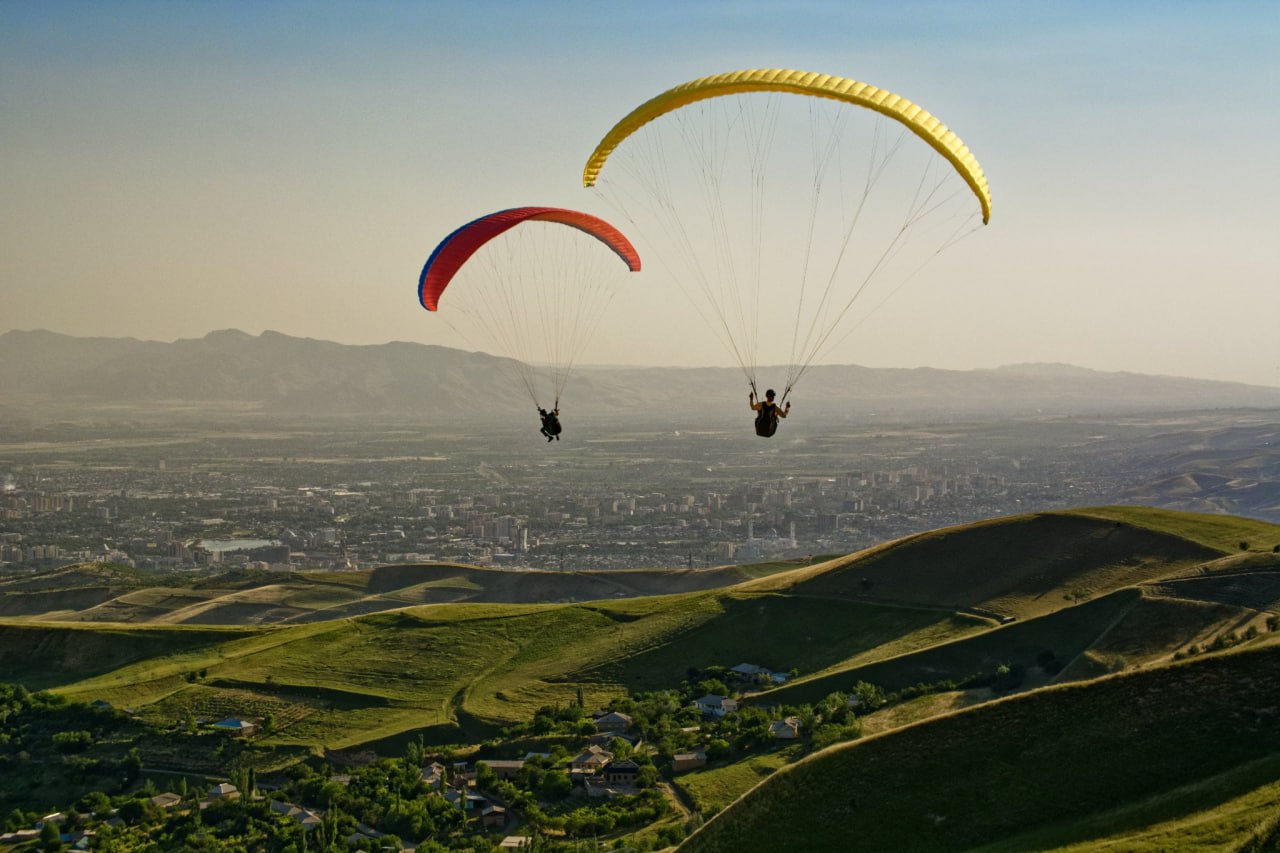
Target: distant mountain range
{"type": "Point", "coordinates": [277, 374]}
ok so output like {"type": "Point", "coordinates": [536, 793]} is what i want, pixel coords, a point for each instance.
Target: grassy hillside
{"type": "Point", "coordinates": [1219, 532]}
{"type": "Point", "coordinates": [1063, 635]}
{"type": "Point", "coordinates": [426, 667]}
{"type": "Point", "coordinates": [1019, 566]}
{"type": "Point", "coordinates": [48, 655]}
{"type": "Point", "coordinates": [102, 593]}
{"type": "Point", "coordinates": [1079, 763]}
{"type": "Point", "coordinates": [441, 668]}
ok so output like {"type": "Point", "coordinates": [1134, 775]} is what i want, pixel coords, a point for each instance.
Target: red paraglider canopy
{"type": "Point", "coordinates": [455, 249]}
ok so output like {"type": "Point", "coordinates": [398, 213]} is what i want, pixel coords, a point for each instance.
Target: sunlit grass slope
{"type": "Point", "coordinates": [1127, 754]}
{"type": "Point", "coordinates": [1220, 532]}
{"type": "Point", "coordinates": [426, 667]}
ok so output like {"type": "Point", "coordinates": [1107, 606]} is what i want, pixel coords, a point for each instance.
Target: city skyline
{"type": "Point", "coordinates": [172, 171]}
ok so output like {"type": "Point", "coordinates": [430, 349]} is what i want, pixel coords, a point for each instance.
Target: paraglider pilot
{"type": "Point", "coordinates": [550, 423]}
{"type": "Point", "coordinates": [768, 413]}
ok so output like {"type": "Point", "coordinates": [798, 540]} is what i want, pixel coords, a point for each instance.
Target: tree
{"type": "Point", "coordinates": [50, 837]}
{"type": "Point", "coordinates": [869, 697]}
{"type": "Point", "coordinates": [713, 686]}
{"type": "Point", "coordinates": [717, 748]}
{"type": "Point", "coordinates": [486, 779]}
{"type": "Point", "coordinates": [555, 786]}
{"type": "Point", "coordinates": [647, 777]}
{"type": "Point", "coordinates": [131, 764]}
{"type": "Point", "coordinates": [620, 748]}
{"type": "Point", "coordinates": [415, 753]}
{"type": "Point", "coordinates": [77, 741]}
{"type": "Point", "coordinates": [98, 804]}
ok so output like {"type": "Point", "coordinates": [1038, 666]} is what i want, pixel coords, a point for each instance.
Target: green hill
{"type": "Point", "coordinates": [456, 669]}
{"type": "Point", "coordinates": [104, 593]}
{"type": "Point", "coordinates": [1124, 757]}
{"type": "Point", "coordinates": [1023, 565]}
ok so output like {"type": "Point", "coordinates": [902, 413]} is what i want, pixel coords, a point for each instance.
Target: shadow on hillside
{"type": "Point", "coordinates": [780, 632]}
{"type": "Point", "coordinates": [468, 729]}
{"type": "Point", "coordinates": [1017, 566]}
{"type": "Point", "coordinates": [40, 657]}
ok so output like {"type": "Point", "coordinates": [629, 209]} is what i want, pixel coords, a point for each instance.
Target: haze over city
{"type": "Point", "coordinates": [173, 170]}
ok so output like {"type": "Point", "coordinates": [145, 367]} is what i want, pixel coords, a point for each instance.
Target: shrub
{"type": "Point", "coordinates": [72, 741]}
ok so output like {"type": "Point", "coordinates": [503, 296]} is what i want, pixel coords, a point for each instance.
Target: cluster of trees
{"type": "Point", "coordinates": [52, 747]}
{"type": "Point", "coordinates": [388, 794]}
{"type": "Point", "coordinates": [1227, 640]}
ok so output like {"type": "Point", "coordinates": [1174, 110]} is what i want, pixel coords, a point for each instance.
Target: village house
{"type": "Point", "coordinates": [606, 738]}
{"type": "Point", "coordinates": [716, 706]}
{"type": "Point", "coordinates": [753, 673]}
{"type": "Point", "coordinates": [166, 801]}
{"type": "Point", "coordinates": [592, 759]}
{"type": "Point", "coordinates": [470, 802]}
{"type": "Point", "coordinates": [492, 815]}
{"type": "Point", "coordinates": [235, 727]}
{"type": "Point", "coordinates": [433, 776]}
{"type": "Point", "coordinates": [622, 773]}
{"type": "Point", "coordinates": [614, 721]}
{"type": "Point", "coordinates": [19, 836]}
{"type": "Point", "coordinates": [306, 817]}
{"type": "Point", "coordinates": [788, 729]}
{"type": "Point", "coordinates": [684, 761]}
{"type": "Point", "coordinates": [515, 842]}
{"type": "Point", "coordinates": [503, 768]}
{"type": "Point", "coordinates": [477, 807]}
{"type": "Point", "coordinates": [223, 790]}
{"type": "Point", "coordinates": [363, 833]}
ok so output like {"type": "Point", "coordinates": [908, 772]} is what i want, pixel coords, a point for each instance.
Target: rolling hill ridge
{"type": "Point", "coordinates": [437, 666]}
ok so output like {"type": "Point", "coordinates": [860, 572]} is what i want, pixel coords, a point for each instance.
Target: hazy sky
{"type": "Point", "coordinates": [168, 169]}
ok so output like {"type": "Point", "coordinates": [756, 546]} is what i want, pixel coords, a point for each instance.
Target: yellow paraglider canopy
{"type": "Point", "coordinates": [915, 118]}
